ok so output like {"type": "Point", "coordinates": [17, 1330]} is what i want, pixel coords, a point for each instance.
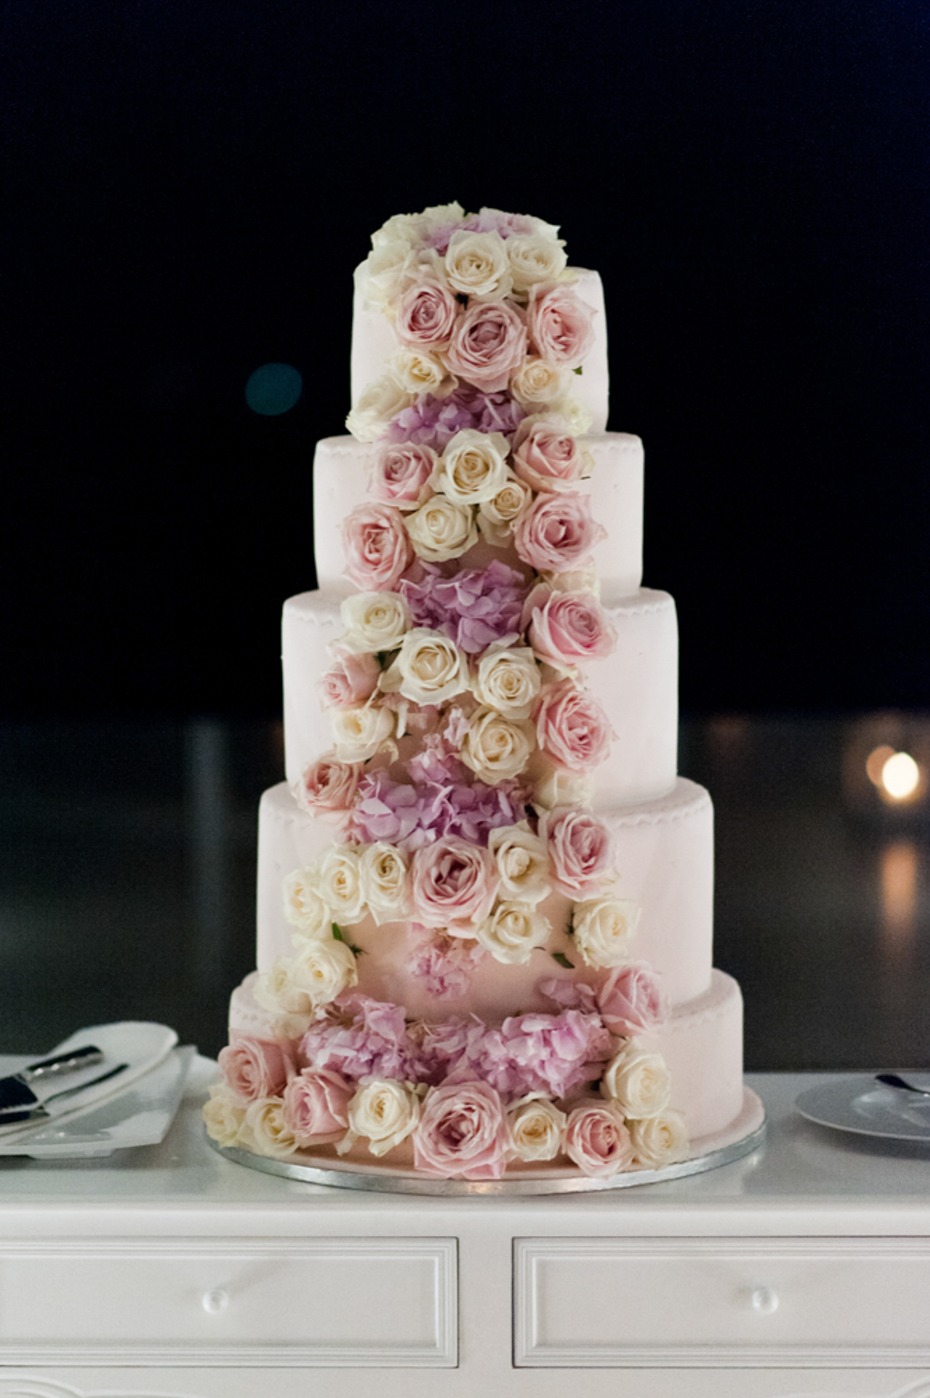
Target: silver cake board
{"type": "Point", "coordinates": [740, 1138]}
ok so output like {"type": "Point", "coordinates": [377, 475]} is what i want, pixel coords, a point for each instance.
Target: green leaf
{"type": "Point", "coordinates": [340, 936]}
{"type": "Point", "coordinates": [337, 933]}
{"type": "Point", "coordinates": [579, 371]}
{"type": "Point", "coordinates": [563, 960]}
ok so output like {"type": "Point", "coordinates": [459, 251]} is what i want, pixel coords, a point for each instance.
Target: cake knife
{"type": "Point", "coordinates": [16, 1094]}
{"type": "Point", "coordinates": [40, 1112]}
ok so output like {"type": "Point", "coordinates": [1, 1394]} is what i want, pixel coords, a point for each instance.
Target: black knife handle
{"type": "Point", "coordinates": [62, 1063]}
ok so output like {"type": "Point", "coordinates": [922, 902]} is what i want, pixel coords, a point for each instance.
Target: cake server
{"type": "Point", "coordinates": [16, 1093]}
{"type": "Point", "coordinates": [46, 1110]}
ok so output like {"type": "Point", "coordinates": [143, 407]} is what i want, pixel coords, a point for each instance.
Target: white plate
{"type": "Point", "coordinates": [869, 1108]}
{"type": "Point", "coordinates": [140, 1116]}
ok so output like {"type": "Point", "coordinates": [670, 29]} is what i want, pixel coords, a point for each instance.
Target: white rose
{"type": "Point", "coordinates": [265, 1129]}
{"type": "Point", "coordinates": [496, 747]}
{"type": "Point", "coordinates": [417, 372]}
{"type": "Point", "coordinates": [513, 932]}
{"type": "Point", "coordinates": [496, 517]}
{"type": "Point", "coordinates": [322, 970]}
{"type": "Point", "coordinates": [289, 1003]}
{"type": "Point", "coordinates": [362, 731]}
{"type": "Point", "coordinates": [405, 229]}
{"type": "Point", "coordinates": [659, 1140]}
{"type": "Point", "coordinates": [638, 1082]}
{"type": "Point", "coordinates": [384, 870]}
{"type": "Point", "coordinates": [223, 1115]}
{"type": "Point", "coordinates": [378, 279]}
{"type": "Point", "coordinates": [603, 928]}
{"type": "Point", "coordinates": [576, 580]}
{"type": "Point", "coordinates": [522, 862]}
{"type": "Point", "coordinates": [554, 787]}
{"type": "Point", "coordinates": [429, 668]}
{"type": "Point", "coordinates": [477, 265]}
{"type": "Point", "coordinates": [508, 679]}
{"type": "Point", "coordinates": [337, 880]}
{"type": "Point", "coordinates": [473, 467]}
{"type": "Point", "coordinates": [576, 416]}
{"type": "Point", "coordinates": [538, 383]}
{"type": "Point", "coordinates": [379, 403]}
{"type": "Point", "coordinates": [303, 905]}
{"type": "Point", "coordinates": [535, 1128]}
{"type": "Point", "coordinates": [441, 215]}
{"type": "Point", "coordinates": [535, 258]}
{"type": "Point", "coordinates": [441, 529]}
{"type": "Point", "coordinates": [374, 621]}
{"type": "Point", "coordinates": [383, 1110]}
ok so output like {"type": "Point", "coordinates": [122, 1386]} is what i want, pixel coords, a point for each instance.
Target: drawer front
{"type": "Point", "coordinates": [334, 1301]}
{"type": "Point", "coordinates": [595, 1302]}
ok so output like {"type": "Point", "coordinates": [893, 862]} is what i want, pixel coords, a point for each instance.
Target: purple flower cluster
{"type": "Point", "coordinates": [369, 1039]}
{"type": "Point", "coordinates": [412, 816]}
{"type": "Point", "coordinates": [445, 964]}
{"type": "Point", "coordinates": [434, 422]}
{"type": "Point", "coordinates": [474, 607]}
{"type": "Point", "coordinates": [487, 221]}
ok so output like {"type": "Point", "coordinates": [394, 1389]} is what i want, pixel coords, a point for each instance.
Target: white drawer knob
{"type": "Point", "coordinates": [764, 1300]}
{"type": "Point", "coordinates": [215, 1301]}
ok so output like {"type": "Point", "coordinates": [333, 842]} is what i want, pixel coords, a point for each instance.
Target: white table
{"type": "Point", "coordinates": [171, 1273]}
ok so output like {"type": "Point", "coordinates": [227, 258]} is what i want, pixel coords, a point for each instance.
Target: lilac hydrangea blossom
{"type": "Point", "coordinates": [475, 607]}
{"type": "Point", "coordinates": [433, 422]}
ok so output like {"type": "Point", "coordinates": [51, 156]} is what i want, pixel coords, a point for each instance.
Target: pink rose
{"type": "Point", "coordinates": [316, 1106]}
{"type": "Point", "coordinates": [557, 532]}
{"type": "Point", "coordinates": [572, 728]}
{"type": "Point", "coordinates": [402, 472]}
{"type": "Point", "coordinates": [597, 1140]}
{"type": "Point", "coordinates": [351, 679]}
{"type": "Point", "coordinates": [328, 785]}
{"type": "Point", "coordinates": [452, 882]}
{"type": "Point", "coordinates": [489, 343]}
{"type": "Point", "coordinates": [559, 324]}
{"type": "Point", "coordinates": [426, 315]}
{"type": "Point", "coordinates": [377, 549]}
{"type": "Point", "coordinates": [582, 851]}
{"type": "Point", "coordinates": [255, 1068]}
{"type": "Point", "coordinates": [461, 1131]}
{"type": "Point", "coordinates": [546, 455]}
{"type": "Point", "coordinates": [632, 1000]}
{"type": "Point", "coordinates": [569, 628]}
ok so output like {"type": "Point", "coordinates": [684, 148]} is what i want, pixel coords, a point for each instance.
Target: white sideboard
{"type": "Point", "coordinates": [802, 1271]}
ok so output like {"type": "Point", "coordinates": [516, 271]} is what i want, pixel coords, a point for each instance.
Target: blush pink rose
{"type": "Point", "coordinates": [351, 679]}
{"type": "Point", "coordinates": [560, 325]}
{"type": "Point", "coordinates": [582, 851]}
{"type": "Point", "coordinates": [569, 628]}
{"type": "Point", "coordinates": [426, 315]}
{"type": "Point", "coordinates": [557, 532]}
{"type": "Point", "coordinates": [489, 343]}
{"type": "Point", "coordinates": [572, 728]}
{"type": "Point", "coordinates": [547, 456]}
{"type": "Point", "coordinates": [316, 1106]}
{"type": "Point", "coordinates": [377, 549]}
{"type": "Point", "coordinates": [461, 1132]}
{"type": "Point", "coordinates": [632, 1000]}
{"type": "Point", "coordinates": [255, 1068]}
{"type": "Point", "coordinates": [452, 883]}
{"type": "Point", "coordinates": [402, 472]}
{"type": "Point", "coordinates": [328, 785]}
{"type": "Point", "coordinates": [597, 1140]}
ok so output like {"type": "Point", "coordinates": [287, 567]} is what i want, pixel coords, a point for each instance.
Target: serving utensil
{"type": "Point", "coordinates": [16, 1094]}
{"type": "Point", "coordinates": [40, 1112]}
{"type": "Point", "coordinates": [895, 1080]}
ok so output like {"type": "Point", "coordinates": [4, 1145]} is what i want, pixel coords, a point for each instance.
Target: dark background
{"type": "Point", "coordinates": [189, 185]}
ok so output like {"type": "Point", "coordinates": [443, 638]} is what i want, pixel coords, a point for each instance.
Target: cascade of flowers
{"type": "Point", "coordinates": [464, 743]}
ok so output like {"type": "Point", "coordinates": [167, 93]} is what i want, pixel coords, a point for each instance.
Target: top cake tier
{"type": "Point", "coordinates": [374, 343]}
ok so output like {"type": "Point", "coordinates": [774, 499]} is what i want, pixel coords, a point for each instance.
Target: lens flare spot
{"type": "Point", "coordinates": [273, 389]}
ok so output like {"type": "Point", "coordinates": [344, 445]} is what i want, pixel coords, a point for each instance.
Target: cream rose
{"type": "Point", "coordinates": [374, 621]}
{"type": "Point", "coordinates": [384, 1111]}
{"type": "Point", "coordinates": [637, 1082]}
{"type": "Point", "coordinates": [385, 882]}
{"type": "Point", "coordinates": [418, 372]}
{"type": "Point", "coordinates": [603, 928]}
{"type": "Point", "coordinates": [473, 467]}
{"type": "Point", "coordinates": [534, 258]}
{"type": "Point", "coordinates": [535, 1128]}
{"type": "Point", "coordinates": [554, 787]}
{"type": "Point", "coordinates": [477, 265]}
{"type": "Point", "coordinates": [659, 1140]}
{"type": "Point", "coordinates": [361, 732]}
{"type": "Point", "coordinates": [507, 679]}
{"type": "Point", "coordinates": [321, 970]}
{"type": "Point", "coordinates": [496, 517]}
{"type": "Point", "coordinates": [303, 905]}
{"type": "Point", "coordinates": [265, 1128]}
{"type": "Point", "coordinates": [442, 529]}
{"type": "Point", "coordinates": [337, 879]}
{"type": "Point", "coordinates": [538, 384]}
{"type": "Point", "coordinates": [522, 862]}
{"type": "Point", "coordinates": [513, 932]}
{"type": "Point", "coordinates": [429, 668]}
{"type": "Point", "coordinates": [223, 1115]}
{"type": "Point", "coordinates": [496, 747]}
{"type": "Point", "coordinates": [379, 403]}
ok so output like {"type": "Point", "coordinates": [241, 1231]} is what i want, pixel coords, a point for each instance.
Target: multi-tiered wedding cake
{"type": "Point", "coordinates": [484, 893]}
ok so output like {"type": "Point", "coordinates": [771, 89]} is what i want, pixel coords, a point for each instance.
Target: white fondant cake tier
{"type": "Point", "coordinates": [637, 686]}
{"type": "Point", "coordinates": [374, 343]}
{"type": "Point", "coordinates": [664, 864]}
{"type": "Point", "coordinates": [702, 1045]}
{"type": "Point", "coordinates": [340, 483]}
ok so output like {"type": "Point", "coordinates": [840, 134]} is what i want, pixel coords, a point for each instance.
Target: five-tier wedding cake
{"type": "Point", "coordinates": [484, 893]}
